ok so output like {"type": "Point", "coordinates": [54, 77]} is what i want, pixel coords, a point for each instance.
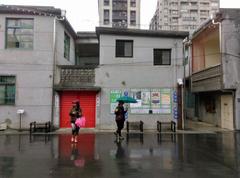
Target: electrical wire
{"type": "Point", "coordinates": [134, 62]}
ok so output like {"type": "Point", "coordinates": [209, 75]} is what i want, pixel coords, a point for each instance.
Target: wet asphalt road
{"type": "Point", "coordinates": [98, 156]}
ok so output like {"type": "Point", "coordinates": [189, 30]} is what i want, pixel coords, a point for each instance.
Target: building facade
{"type": "Point", "coordinates": [119, 13]}
{"type": "Point", "coordinates": [34, 40]}
{"type": "Point", "coordinates": [215, 70]}
{"type": "Point", "coordinates": [182, 15]}
{"type": "Point", "coordinates": [139, 63]}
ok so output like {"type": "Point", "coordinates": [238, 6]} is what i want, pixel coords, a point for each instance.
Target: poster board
{"type": "Point", "coordinates": [158, 100]}
{"type": "Point", "coordinates": [114, 95]}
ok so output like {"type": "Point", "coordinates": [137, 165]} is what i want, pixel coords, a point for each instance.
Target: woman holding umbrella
{"type": "Point", "coordinates": [120, 113]}
{"type": "Point", "coordinates": [120, 118]}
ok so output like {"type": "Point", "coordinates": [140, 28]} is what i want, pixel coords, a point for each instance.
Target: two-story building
{"type": "Point", "coordinates": [77, 82]}
{"type": "Point", "coordinates": [45, 65]}
{"type": "Point", "coordinates": [33, 41]}
{"type": "Point", "coordinates": [139, 63]}
{"type": "Point", "coordinates": [143, 64]}
{"type": "Point", "coordinates": [215, 49]}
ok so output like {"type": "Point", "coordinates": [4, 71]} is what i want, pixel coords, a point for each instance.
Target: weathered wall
{"type": "Point", "coordinates": [134, 73]}
{"type": "Point", "coordinates": [33, 70]}
{"type": "Point", "coordinates": [212, 51]}
{"type": "Point", "coordinates": [210, 117]}
{"type": "Point", "coordinates": [230, 47]}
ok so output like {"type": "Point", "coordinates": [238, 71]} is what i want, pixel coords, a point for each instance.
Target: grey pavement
{"type": "Point", "coordinates": [98, 155]}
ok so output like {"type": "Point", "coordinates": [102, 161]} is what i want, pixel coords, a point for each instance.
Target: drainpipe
{"type": "Point", "coordinates": [186, 43]}
{"type": "Point", "coordinates": [184, 85]}
{"type": "Point", "coordinates": [61, 18]}
{"type": "Point", "coordinates": [221, 59]}
{"type": "Point", "coordinates": [220, 42]}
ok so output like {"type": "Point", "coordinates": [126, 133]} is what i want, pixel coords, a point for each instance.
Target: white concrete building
{"type": "Point", "coordinates": [33, 40]}
{"type": "Point", "coordinates": [182, 15]}
{"type": "Point", "coordinates": [139, 63]}
{"type": "Point", "coordinates": [119, 13]}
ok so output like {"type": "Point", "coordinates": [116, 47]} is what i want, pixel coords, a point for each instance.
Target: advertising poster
{"type": "Point", "coordinates": [114, 95]}
{"type": "Point", "coordinates": [136, 94]}
{"type": "Point", "coordinates": [155, 99]}
{"type": "Point", "coordinates": [143, 98]}
{"type": "Point", "coordinates": [166, 101]}
{"type": "Point", "coordinates": [166, 98]}
{"type": "Point", "coordinates": [159, 101]}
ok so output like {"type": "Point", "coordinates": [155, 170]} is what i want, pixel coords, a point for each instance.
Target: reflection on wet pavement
{"type": "Point", "coordinates": [139, 155]}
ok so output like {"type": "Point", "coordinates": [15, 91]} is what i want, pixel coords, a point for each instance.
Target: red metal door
{"type": "Point", "coordinates": [87, 102]}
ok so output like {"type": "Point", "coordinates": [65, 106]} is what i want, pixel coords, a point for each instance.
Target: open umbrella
{"type": "Point", "coordinates": [127, 99]}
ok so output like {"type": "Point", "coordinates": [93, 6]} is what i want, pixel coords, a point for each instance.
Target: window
{"type": "Point", "coordinates": [124, 48]}
{"type": "Point", "coordinates": [133, 18]}
{"type": "Point", "coordinates": [66, 46]}
{"type": "Point", "coordinates": [214, 4]}
{"type": "Point", "coordinates": [7, 90]}
{"type": "Point", "coordinates": [133, 22]}
{"type": "Point", "coordinates": [162, 56]}
{"type": "Point", "coordinates": [19, 33]}
{"type": "Point", "coordinates": [133, 3]}
{"type": "Point", "coordinates": [210, 104]}
{"type": "Point", "coordinates": [106, 2]}
{"type": "Point", "coordinates": [106, 21]}
{"type": "Point", "coordinates": [106, 17]}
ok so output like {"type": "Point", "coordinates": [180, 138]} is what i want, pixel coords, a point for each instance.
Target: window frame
{"type": "Point", "coordinates": [133, 3]}
{"type": "Point", "coordinates": [160, 60]}
{"type": "Point", "coordinates": [124, 55]}
{"type": "Point", "coordinates": [6, 32]}
{"type": "Point", "coordinates": [67, 55]}
{"type": "Point", "coordinates": [5, 90]}
{"type": "Point", "coordinates": [106, 21]}
{"type": "Point", "coordinates": [106, 2]}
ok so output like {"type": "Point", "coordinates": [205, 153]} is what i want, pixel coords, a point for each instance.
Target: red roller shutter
{"type": "Point", "coordinates": [87, 102]}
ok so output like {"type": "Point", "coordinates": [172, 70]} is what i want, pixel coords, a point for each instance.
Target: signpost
{"type": "Point", "coordinates": [20, 112]}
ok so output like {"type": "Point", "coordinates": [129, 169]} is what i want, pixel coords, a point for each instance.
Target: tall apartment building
{"type": "Point", "coordinates": [182, 15]}
{"type": "Point", "coordinates": [119, 13]}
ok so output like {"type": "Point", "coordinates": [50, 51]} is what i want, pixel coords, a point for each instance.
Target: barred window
{"type": "Point", "coordinates": [66, 46]}
{"type": "Point", "coordinates": [124, 48]}
{"type": "Point", "coordinates": [106, 2]}
{"type": "Point", "coordinates": [7, 90]}
{"type": "Point", "coordinates": [19, 33]}
{"type": "Point", "coordinates": [162, 56]}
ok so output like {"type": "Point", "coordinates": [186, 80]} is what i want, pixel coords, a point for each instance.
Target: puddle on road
{"type": "Point", "coordinates": [139, 155]}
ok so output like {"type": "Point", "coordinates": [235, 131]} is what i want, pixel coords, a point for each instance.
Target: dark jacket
{"type": "Point", "coordinates": [75, 113]}
{"type": "Point", "coordinates": [120, 113]}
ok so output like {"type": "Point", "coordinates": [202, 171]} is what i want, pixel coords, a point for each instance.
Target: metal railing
{"type": "Point", "coordinates": [76, 76]}
{"type": "Point", "coordinates": [207, 80]}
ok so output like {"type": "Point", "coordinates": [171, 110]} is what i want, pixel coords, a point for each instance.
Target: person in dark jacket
{"type": "Point", "coordinates": [120, 118]}
{"type": "Point", "coordinates": [75, 113]}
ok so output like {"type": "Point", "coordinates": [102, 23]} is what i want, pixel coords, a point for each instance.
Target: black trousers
{"type": "Point", "coordinates": [75, 129]}
{"type": "Point", "coordinates": [120, 125]}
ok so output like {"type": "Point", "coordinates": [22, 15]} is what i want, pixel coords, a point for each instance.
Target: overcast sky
{"type": "Point", "coordinates": [83, 14]}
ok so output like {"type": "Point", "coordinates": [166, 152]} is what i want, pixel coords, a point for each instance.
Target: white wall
{"type": "Point", "coordinates": [137, 72]}
{"type": "Point", "coordinates": [33, 69]}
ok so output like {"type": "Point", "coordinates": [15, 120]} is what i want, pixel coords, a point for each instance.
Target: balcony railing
{"type": "Point", "coordinates": [119, 16]}
{"type": "Point", "coordinates": [74, 77]}
{"type": "Point", "coordinates": [207, 80]}
{"type": "Point", "coordinates": [120, 6]}
{"type": "Point", "coordinates": [120, 24]}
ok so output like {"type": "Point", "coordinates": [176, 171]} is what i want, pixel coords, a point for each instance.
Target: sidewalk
{"type": "Point", "coordinates": [192, 127]}
{"type": "Point", "coordinates": [203, 127]}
